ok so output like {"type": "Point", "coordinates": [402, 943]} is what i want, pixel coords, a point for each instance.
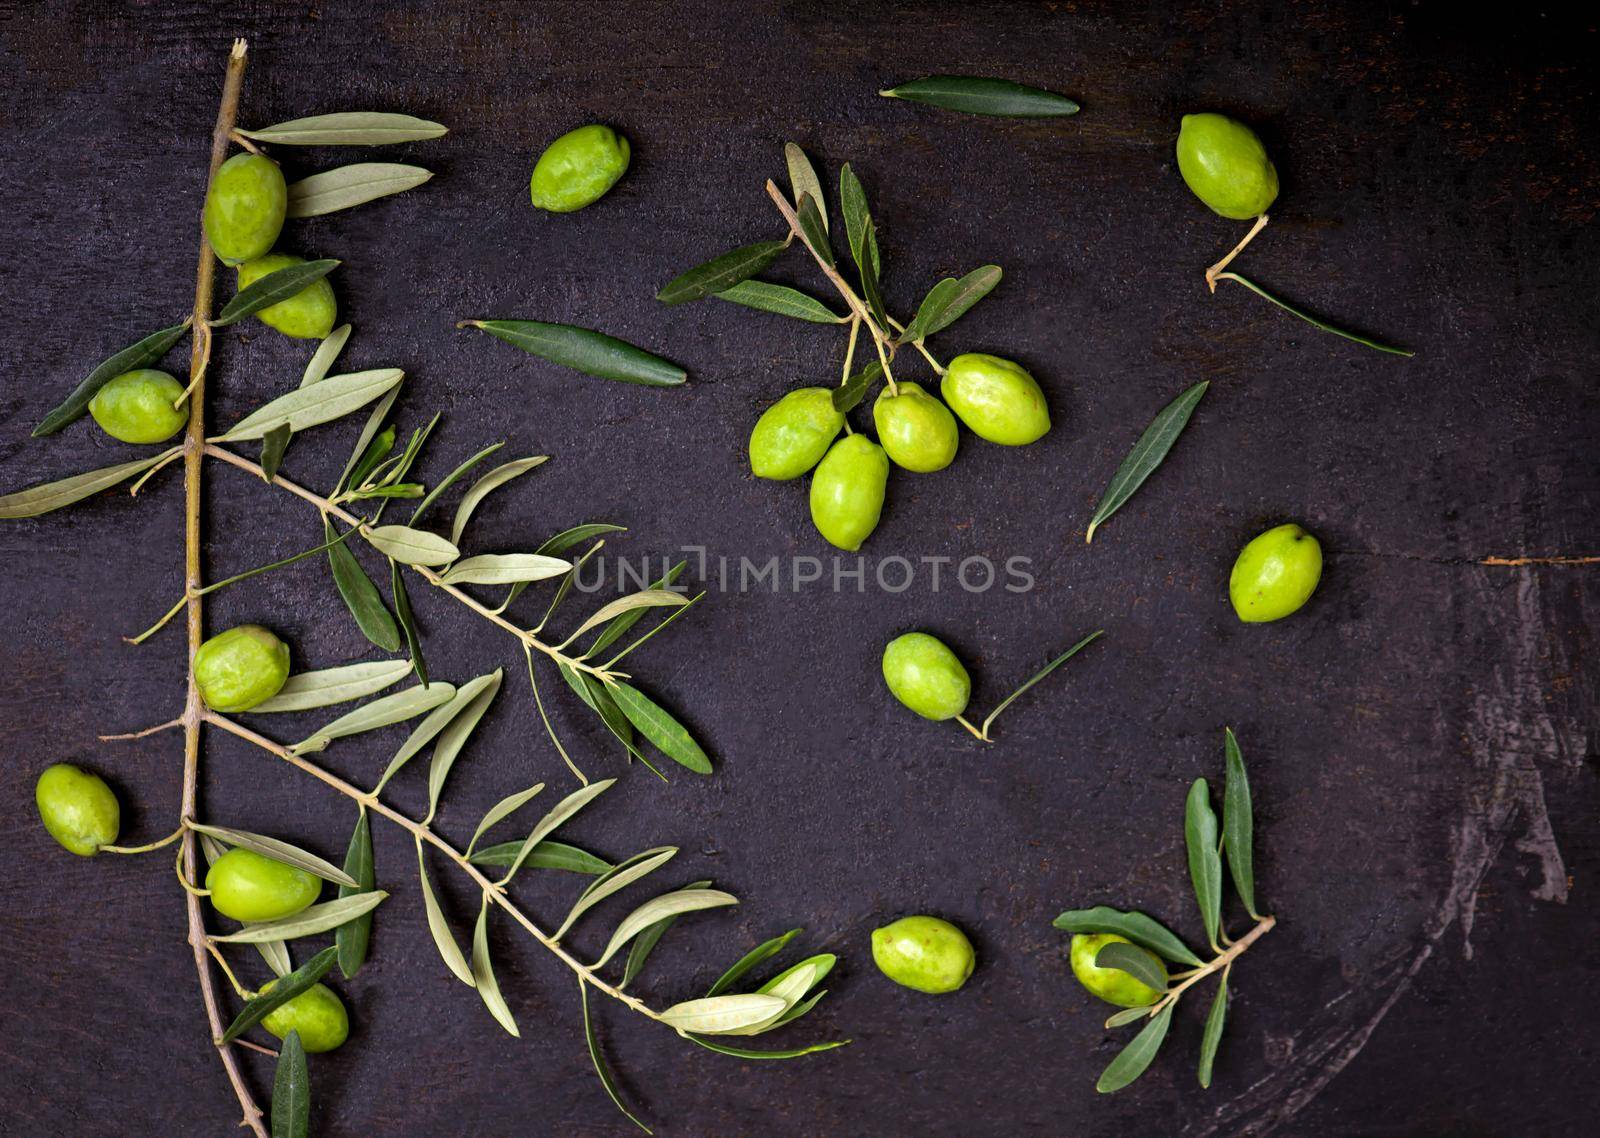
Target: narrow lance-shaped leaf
{"type": "Point", "coordinates": [560, 813]}
{"type": "Point", "coordinates": [408, 622]}
{"type": "Point", "coordinates": [323, 402]}
{"type": "Point", "coordinates": [644, 599]}
{"type": "Point", "coordinates": [803, 179]}
{"type": "Point", "coordinates": [658, 726]}
{"type": "Point", "coordinates": [721, 272]}
{"type": "Point", "coordinates": [619, 877]}
{"type": "Point", "coordinates": [349, 128]}
{"type": "Point", "coordinates": [1126, 1016]}
{"type": "Point", "coordinates": [1137, 1056]}
{"type": "Point", "coordinates": [360, 595]}
{"type": "Point", "coordinates": [854, 389]}
{"type": "Point", "coordinates": [385, 711]}
{"type": "Point", "coordinates": [274, 444]}
{"type": "Point", "coordinates": [353, 939]}
{"type": "Point", "coordinates": [619, 626]}
{"type": "Point", "coordinates": [450, 479]}
{"type": "Point", "coordinates": [1039, 675]}
{"type": "Point", "coordinates": [291, 1090]}
{"type": "Point", "coordinates": [1314, 321]}
{"type": "Point", "coordinates": [502, 810]}
{"type": "Point", "coordinates": [600, 1068]}
{"type": "Point", "coordinates": [412, 546]}
{"type": "Point", "coordinates": [369, 450]}
{"type": "Point", "coordinates": [146, 353]}
{"type": "Point", "coordinates": [669, 905]}
{"type": "Point", "coordinates": [1205, 861]}
{"type": "Point", "coordinates": [548, 854]}
{"type": "Point", "coordinates": [1238, 825]}
{"type": "Point", "coordinates": [505, 569]}
{"type": "Point", "coordinates": [858, 223]}
{"type": "Point", "coordinates": [309, 922]}
{"type": "Point", "coordinates": [983, 95]}
{"type": "Point", "coordinates": [483, 973]}
{"type": "Point", "coordinates": [277, 850]}
{"type": "Point", "coordinates": [426, 731]}
{"type": "Point", "coordinates": [301, 980]}
{"type": "Point", "coordinates": [1147, 454]}
{"type": "Point", "coordinates": [645, 941]}
{"type": "Point", "coordinates": [869, 279]}
{"type": "Point", "coordinates": [1137, 962]}
{"type": "Point", "coordinates": [278, 285]}
{"type": "Point", "coordinates": [813, 229]}
{"type": "Point", "coordinates": [949, 300]}
{"type": "Point", "coordinates": [1213, 1031]}
{"type": "Point", "coordinates": [593, 353]}
{"type": "Point", "coordinates": [346, 186]}
{"type": "Point", "coordinates": [756, 956]}
{"type": "Point", "coordinates": [781, 299]}
{"type": "Point", "coordinates": [443, 938]}
{"type": "Point", "coordinates": [486, 485]}
{"type": "Point", "coordinates": [49, 496]}
{"type": "Point", "coordinates": [639, 642]}
{"type": "Point", "coordinates": [454, 738]}
{"type": "Point", "coordinates": [747, 1053]}
{"type": "Point", "coordinates": [721, 1014]}
{"type": "Point", "coordinates": [1137, 927]}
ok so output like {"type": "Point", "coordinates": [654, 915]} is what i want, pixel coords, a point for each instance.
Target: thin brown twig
{"type": "Point", "coordinates": [1214, 270]}
{"type": "Point", "coordinates": [159, 727]}
{"type": "Point", "coordinates": [1515, 561]}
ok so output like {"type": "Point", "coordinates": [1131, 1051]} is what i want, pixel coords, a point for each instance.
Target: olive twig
{"type": "Point", "coordinates": [1221, 962]}
{"type": "Point", "coordinates": [240, 140]}
{"type": "Point", "coordinates": [976, 734]}
{"type": "Point", "coordinates": [150, 847]}
{"type": "Point", "coordinates": [189, 887]}
{"type": "Point", "coordinates": [1215, 270]}
{"type": "Point", "coordinates": [159, 727]}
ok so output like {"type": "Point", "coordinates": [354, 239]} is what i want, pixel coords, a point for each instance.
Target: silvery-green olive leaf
{"type": "Point", "coordinates": [1314, 321]}
{"type": "Point", "coordinates": [1136, 1057]}
{"type": "Point", "coordinates": [353, 939]}
{"type": "Point", "coordinates": [949, 300]}
{"type": "Point", "coordinates": [502, 810]}
{"type": "Point", "coordinates": [47, 496]}
{"type": "Point", "coordinates": [658, 726]}
{"type": "Point", "coordinates": [483, 972]}
{"type": "Point", "coordinates": [277, 850]}
{"type": "Point", "coordinates": [618, 877]}
{"type": "Point", "coordinates": [1126, 1016]}
{"type": "Point", "coordinates": [371, 447]}
{"type": "Point", "coordinates": [353, 185]}
{"type": "Point", "coordinates": [412, 546]}
{"type": "Point", "coordinates": [746, 1053]}
{"type": "Point", "coordinates": [799, 1010]}
{"type": "Point", "coordinates": [1205, 862]}
{"type": "Point", "coordinates": [538, 702]}
{"type": "Point", "coordinates": [425, 732]}
{"type": "Point", "coordinates": [621, 624]}
{"type": "Point", "coordinates": [676, 613]}
{"type": "Point", "coordinates": [455, 735]}
{"type": "Point", "coordinates": [643, 599]}
{"type": "Point", "coordinates": [559, 814]}
{"type": "Point", "coordinates": [384, 711]}
{"type": "Point", "coordinates": [853, 390]}
{"type": "Point", "coordinates": [322, 402]}
{"type": "Point", "coordinates": [593, 353]}
{"type": "Point", "coordinates": [1137, 962]}
{"type": "Point", "coordinates": [408, 622]}
{"type": "Point", "coordinates": [982, 95]}
{"type": "Point", "coordinates": [303, 691]}
{"type": "Point", "coordinates": [302, 979]}
{"type": "Point", "coordinates": [275, 443]}
{"type": "Point", "coordinates": [291, 1091]}
{"type": "Point", "coordinates": [505, 569]}
{"type": "Point", "coordinates": [146, 353]}
{"type": "Point", "coordinates": [278, 285]}
{"type": "Point", "coordinates": [803, 179]}
{"type": "Point", "coordinates": [439, 928]}
{"type": "Point", "coordinates": [721, 272]}
{"type": "Point", "coordinates": [450, 479]}
{"type": "Point", "coordinates": [721, 1014]}
{"type": "Point", "coordinates": [781, 299]}
{"type": "Point", "coordinates": [568, 538]}
{"type": "Point", "coordinates": [644, 943]}
{"type": "Point", "coordinates": [308, 922]}
{"type": "Point", "coordinates": [360, 595]}
{"type": "Point", "coordinates": [662, 908]}
{"type": "Point", "coordinates": [814, 230]}
{"type": "Point", "coordinates": [1213, 1032]}
{"type": "Point", "coordinates": [486, 485]}
{"type": "Point", "coordinates": [600, 1068]}
{"type": "Point", "coordinates": [757, 955]}
{"type": "Point", "coordinates": [349, 128]}
{"type": "Point", "coordinates": [548, 854]}
{"type": "Point", "coordinates": [1137, 927]}
{"type": "Point", "coordinates": [1147, 454]}
{"type": "Point", "coordinates": [1238, 825]}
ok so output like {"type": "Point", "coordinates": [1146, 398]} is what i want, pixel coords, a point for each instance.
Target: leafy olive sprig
{"type": "Point", "coordinates": [1130, 966]}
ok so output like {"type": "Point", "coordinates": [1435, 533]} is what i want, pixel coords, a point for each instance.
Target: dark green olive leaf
{"type": "Point", "coordinates": [798, 1010]}
{"type": "Point", "coordinates": [782, 300]}
{"type": "Point", "coordinates": [352, 939]}
{"type": "Point", "coordinates": [396, 469]}
{"type": "Point", "coordinates": [594, 695]}
{"type": "Point", "coordinates": [486, 485]}
{"type": "Point", "coordinates": [308, 922]}
{"type": "Point", "coordinates": [658, 726]}
{"type": "Point", "coordinates": [1213, 1032]}
{"type": "Point", "coordinates": [378, 448]}
{"type": "Point", "coordinates": [618, 877]}
{"type": "Point", "coordinates": [1205, 859]}
{"type": "Point", "coordinates": [592, 353]}
{"type": "Point", "coordinates": [483, 973]}
{"type": "Point", "coordinates": [1137, 962]}
{"type": "Point", "coordinates": [949, 300]}
{"type": "Point", "coordinates": [721, 273]}
{"type": "Point", "coordinates": [643, 599]}
{"type": "Point", "coordinates": [372, 447]}
{"type": "Point", "coordinates": [600, 1068]}
{"type": "Point", "coordinates": [1238, 825]}
{"type": "Point", "coordinates": [301, 980]}
{"type": "Point", "coordinates": [757, 955]}
{"type": "Point", "coordinates": [1314, 321]}
{"type": "Point", "coordinates": [291, 1090]}
{"type": "Point", "coordinates": [344, 187]}
{"type": "Point", "coordinates": [661, 627]}
{"type": "Point", "coordinates": [668, 906]}
{"type": "Point", "coordinates": [1137, 927]}
{"type": "Point", "coordinates": [1137, 1056]}
{"type": "Point", "coordinates": [747, 1053]}
{"type": "Point", "coordinates": [869, 280]}
{"type": "Point", "coordinates": [1147, 454]}
{"type": "Point", "coordinates": [304, 691]}
{"type": "Point", "coordinates": [814, 230]}
{"type": "Point", "coordinates": [568, 538]}
{"type": "Point", "coordinates": [41, 499]}
{"type": "Point", "coordinates": [439, 928]}
{"type": "Point", "coordinates": [360, 595]}
{"type": "Point", "coordinates": [408, 622]}
{"type": "Point", "coordinates": [620, 626]}
{"type": "Point", "coordinates": [803, 178]}
{"type": "Point", "coordinates": [322, 402]}
{"type": "Point", "coordinates": [858, 224]}
{"type": "Point", "coordinates": [645, 942]}
{"type": "Point", "coordinates": [349, 128]}
{"type": "Point", "coordinates": [278, 285]}
{"type": "Point", "coordinates": [273, 445]}
{"type": "Point", "coordinates": [450, 479]}
{"type": "Point", "coordinates": [982, 95]}
{"type": "Point", "coordinates": [548, 854]}
{"type": "Point", "coordinates": [1039, 675]}
{"type": "Point", "coordinates": [146, 353]}
{"type": "Point", "coordinates": [854, 389]}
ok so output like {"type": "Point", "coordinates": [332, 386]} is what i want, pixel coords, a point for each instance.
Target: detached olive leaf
{"type": "Point", "coordinates": [323, 402]}
{"type": "Point", "coordinates": [483, 972]}
{"type": "Point", "coordinates": [719, 1015]}
{"type": "Point", "coordinates": [505, 569]}
{"type": "Point", "coordinates": [1213, 1032]}
{"type": "Point", "coordinates": [593, 353]}
{"type": "Point", "coordinates": [755, 957]}
{"type": "Point", "coordinates": [385, 711]}
{"type": "Point", "coordinates": [1137, 962]}
{"type": "Point", "coordinates": [1314, 321]}
{"type": "Point", "coordinates": [308, 922]}
{"type": "Point", "coordinates": [1137, 927]}
{"type": "Point", "coordinates": [485, 486]}
{"type": "Point", "coordinates": [455, 735]}
{"type": "Point", "coordinates": [1136, 1057]}
{"type": "Point", "coordinates": [722, 272]}
{"type": "Point", "coordinates": [291, 1090]}
{"type": "Point", "coordinates": [347, 186]}
{"type": "Point", "coordinates": [349, 128]}
{"type": "Point", "coordinates": [1205, 861]}
{"type": "Point", "coordinates": [803, 179]}
{"type": "Point", "coordinates": [443, 938]}
{"type": "Point", "coordinates": [656, 725]}
{"type": "Point", "coordinates": [146, 353]}
{"type": "Point", "coordinates": [983, 732]}
{"type": "Point", "coordinates": [982, 95]}
{"type": "Point", "coordinates": [600, 1067]}
{"type": "Point", "coordinates": [950, 300]}
{"type": "Point", "coordinates": [502, 810]}
{"type": "Point", "coordinates": [353, 939]}
{"type": "Point", "coordinates": [666, 907]}
{"type": "Point", "coordinates": [547, 854]}
{"type": "Point", "coordinates": [278, 851]}
{"type": "Point", "coordinates": [782, 300]}
{"type": "Point", "coordinates": [49, 496]}
{"type": "Point", "coordinates": [617, 878]}
{"type": "Point", "coordinates": [1238, 826]}
{"type": "Point", "coordinates": [814, 229]}
{"type": "Point", "coordinates": [360, 595]}
{"type": "Point", "coordinates": [1147, 454]}
{"type": "Point", "coordinates": [270, 289]}
{"type": "Point", "coordinates": [412, 546]}
{"type": "Point", "coordinates": [558, 815]}
{"type": "Point", "coordinates": [644, 942]}
{"type": "Point", "coordinates": [854, 389]}
{"type": "Point", "coordinates": [301, 980]}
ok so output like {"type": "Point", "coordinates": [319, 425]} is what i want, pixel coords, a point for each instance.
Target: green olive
{"type": "Point", "coordinates": [248, 886]}
{"type": "Point", "coordinates": [924, 953]}
{"type": "Point", "coordinates": [926, 676]}
{"type": "Point", "coordinates": [1275, 574]}
{"type": "Point", "coordinates": [308, 314]}
{"type": "Point", "coordinates": [1112, 985]}
{"type": "Point", "coordinates": [1226, 166]}
{"type": "Point", "coordinates": [78, 808]}
{"type": "Point", "coordinates": [997, 399]}
{"type": "Point", "coordinates": [916, 430]}
{"type": "Point", "coordinates": [239, 668]}
{"type": "Point", "coordinates": [578, 168]}
{"type": "Point", "coordinates": [317, 1014]}
{"type": "Point", "coordinates": [245, 208]}
{"type": "Point", "coordinates": [794, 433]}
{"type": "Point", "coordinates": [137, 407]}
{"type": "Point", "coordinates": [847, 491]}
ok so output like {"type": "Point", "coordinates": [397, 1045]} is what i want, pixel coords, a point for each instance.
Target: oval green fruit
{"type": "Point", "coordinates": [1275, 574]}
{"type": "Point", "coordinates": [245, 207]}
{"type": "Point", "coordinates": [1226, 166]}
{"type": "Point", "coordinates": [916, 430]}
{"type": "Point", "coordinates": [137, 407]}
{"type": "Point", "coordinates": [578, 168]}
{"type": "Point", "coordinates": [248, 886]}
{"type": "Point", "coordinates": [847, 491]}
{"type": "Point", "coordinates": [1112, 985]}
{"type": "Point", "coordinates": [997, 399]}
{"type": "Point", "coordinates": [239, 668]}
{"type": "Point", "coordinates": [794, 433]}
{"type": "Point", "coordinates": [77, 808]}
{"type": "Point", "coordinates": [924, 953]}
{"type": "Point", "coordinates": [318, 1014]}
{"type": "Point", "coordinates": [308, 314]}
{"type": "Point", "coordinates": [926, 676]}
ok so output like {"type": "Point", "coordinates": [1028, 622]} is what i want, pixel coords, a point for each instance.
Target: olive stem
{"type": "Point", "coordinates": [216, 954]}
{"type": "Point", "coordinates": [188, 886]}
{"type": "Point", "coordinates": [1214, 270]}
{"type": "Point", "coordinates": [1225, 960]}
{"type": "Point", "coordinates": [240, 140]}
{"type": "Point", "coordinates": [976, 734]}
{"type": "Point", "coordinates": [159, 727]}
{"type": "Point", "coordinates": [150, 848]}
{"type": "Point", "coordinates": [255, 1047]}
{"type": "Point", "coordinates": [938, 368]}
{"type": "Point", "coordinates": [172, 456]}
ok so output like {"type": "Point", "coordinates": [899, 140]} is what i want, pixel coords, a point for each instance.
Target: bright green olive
{"type": "Point", "coordinates": [997, 399]}
{"type": "Point", "coordinates": [317, 1014]}
{"type": "Point", "coordinates": [78, 809]}
{"type": "Point", "coordinates": [308, 314]}
{"type": "Point", "coordinates": [923, 953]}
{"type": "Point", "coordinates": [1226, 166]}
{"type": "Point", "coordinates": [237, 669]}
{"type": "Point", "coordinates": [847, 491]}
{"type": "Point", "coordinates": [137, 407]}
{"type": "Point", "coordinates": [245, 207]}
{"type": "Point", "coordinates": [926, 676]}
{"type": "Point", "coordinates": [578, 168]}
{"type": "Point", "coordinates": [1112, 985]}
{"type": "Point", "coordinates": [915, 429]}
{"type": "Point", "coordinates": [248, 886]}
{"type": "Point", "coordinates": [1275, 574]}
{"type": "Point", "coordinates": [794, 433]}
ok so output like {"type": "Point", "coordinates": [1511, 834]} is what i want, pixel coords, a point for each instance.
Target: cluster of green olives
{"type": "Point", "coordinates": [997, 400]}
{"type": "Point", "coordinates": [578, 169]}
{"type": "Point", "coordinates": [924, 953]}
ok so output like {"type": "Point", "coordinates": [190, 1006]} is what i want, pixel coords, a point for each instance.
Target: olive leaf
{"type": "Point", "coordinates": [546, 855]}
{"type": "Point", "coordinates": [1137, 927]}
{"type": "Point", "coordinates": [450, 479]}
{"type": "Point", "coordinates": [645, 941]}
{"type": "Point", "coordinates": [483, 973]}
{"type": "Point", "coordinates": [853, 390]}
{"type": "Point", "coordinates": [789, 987]}
{"type": "Point", "coordinates": [719, 1015]}
{"type": "Point", "coordinates": [814, 230]}
{"type": "Point", "coordinates": [1137, 1056]}
{"type": "Point", "coordinates": [429, 728]}
{"type": "Point", "coordinates": [1037, 676]}
{"type": "Point", "coordinates": [643, 599]}
{"type": "Point", "coordinates": [502, 810]}
{"type": "Point", "coordinates": [486, 485]}
{"type": "Point", "coordinates": [412, 546]}
{"type": "Point", "coordinates": [1238, 826]}
{"type": "Point", "coordinates": [1213, 1031]}
{"type": "Point", "coordinates": [408, 622]}
{"type": "Point", "coordinates": [1314, 321]}
{"type": "Point", "coordinates": [353, 939]}
{"type": "Point", "coordinates": [594, 694]}
{"type": "Point", "coordinates": [322, 402]}
{"type": "Point", "coordinates": [443, 938]}
{"type": "Point", "coordinates": [1137, 962]}
{"type": "Point", "coordinates": [617, 878]}
{"type": "Point", "coordinates": [296, 983]}
{"type": "Point", "coordinates": [593, 353]}
{"type": "Point", "coordinates": [505, 569]}
{"type": "Point", "coordinates": [280, 284]}
{"type": "Point", "coordinates": [346, 186]}
{"type": "Point", "coordinates": [948, 301]}
{"type": "Point", "coordinates": [600, 1068]}
{"type": "Point", "coordinates": [384, 711]}
{"type": "Point", "coordinates": [620, 625]}
{"type": "Point", "coordinates": [349, 128]}
{"type": "Point", "coordinates": [308, 922]}
{"type": "Point", "coordinates": [1147, 454]}
{"type": "Point", "coordinates": [360, 595]}
{"type": "Point", "coordinates": [982, 95]}
{"type": "Point", "coordinates": [676, 613]}
{"type": "Point", "coordinates": [41, 499]}
{"type": "Point", "coordinates": [370, 448]}
{"type": "Point", "coordinates": [455, 735]}
{"type": "Point", "coordinates": [291, 1090]}
{"type": "Point", "coordinates": [1205, 862]}
{"type": "Point", "coordinates": [664, 907]}
{"type": "Point", "coordinates": [145, 353]}
{"type": "Point", "coordinates": [303, 691]}
{"type": "Point", "coordinates": [656, 725]}
{"type": "Point", "coordinates": [278, 851]}
{"type": "Point", "coordinates": [803, 179]}
{"type": "Point", "coordinates": [1126, 1016]}
{"type": "Point", "coordinates": [568, 538]}
{"type": "Point", "coordinates": [858, 226]}
{"type": "Point", "coordinates": [781, 299]}
{"type": "Point", "coordinates": [397, 468]}
{"type": "Point", "coordinates": [559, 814]}
{"type": "Point", "coordinates": [274, 444]}
{"type": "Point", "coordinates": [746, 1053]}
{"type": "Point", "coordinates": [721, 272]}
{"type": "Point", "coordinates": [756, 956]}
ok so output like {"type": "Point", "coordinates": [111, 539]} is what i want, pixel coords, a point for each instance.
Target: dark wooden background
{"type": "Point", "coordinates": [1421, 737]}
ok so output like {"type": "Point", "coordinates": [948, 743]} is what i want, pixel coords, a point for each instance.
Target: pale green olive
{"type": "Point", "coordinates": [1112, 985]}
{"type": "Point", "coordinates": [239, 668]}
{"type": "Point", "coordinates": [794, 433]}
{"type": "Point", "coordinates": [926, 676]}
{"type": "Point", "coordinates": [1275, 574]}
{"type": "Point", "coordinates": [924, 953]}
{"type": "Point", "coordinates": [245, 207]}
{"type": "Point", "coordinates": [248, 886]}
{"type": "Point", "coordinates": [915, 429]}
{"type": "Point", "coordinates": [1226, 166]}
{"type": "Point", "coordinates": [318, 1014]}
{"type": "Point", "coordinates": [847, 491]}
{"type": "Point", "coordinates": [77, 808]}
{"type": "Point", "coordinates": [578, 168]}
{"type": "Point", "coordinates": [308, 314]}
{"type": "Point", "coordinates": [997, 399]}
{"type": "Point", "coordinates": [137, 407]}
